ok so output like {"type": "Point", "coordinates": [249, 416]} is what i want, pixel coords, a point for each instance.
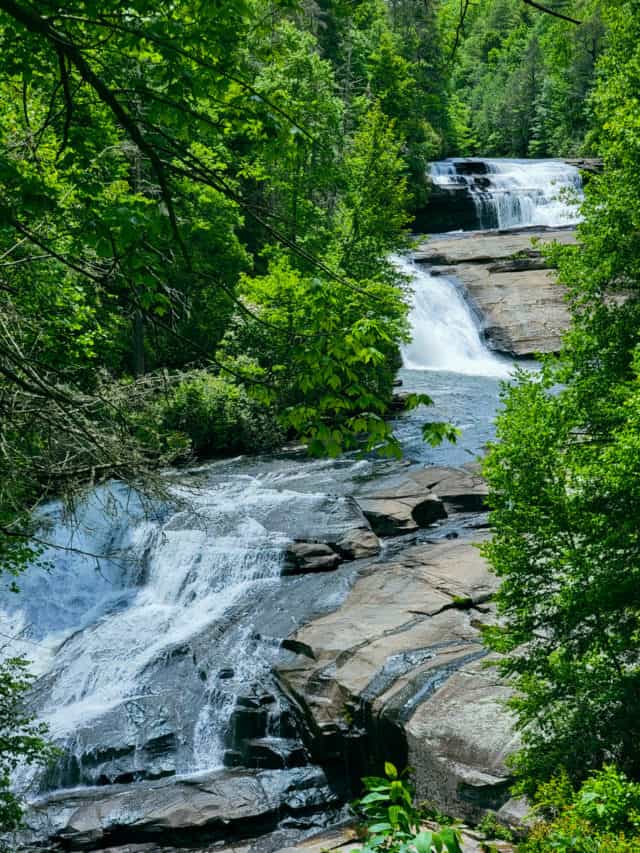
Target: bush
{"type": "Point", "coordinates": [603, 816]}
{"type": "Point", "coordinates": [218, 417]}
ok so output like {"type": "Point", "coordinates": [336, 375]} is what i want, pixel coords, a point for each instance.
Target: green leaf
{"type": "Point", "coordinates": [383, 826]}
{"type": "Point", "coordinates": [390, 770]}
{"type": "Point", "coordinates": [423, 842]}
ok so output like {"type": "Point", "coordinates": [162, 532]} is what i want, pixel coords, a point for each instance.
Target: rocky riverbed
{"type": "Point", "coordinates": [393, 670]}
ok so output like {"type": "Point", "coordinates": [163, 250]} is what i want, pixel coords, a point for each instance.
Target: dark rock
{"type": "Point", "coordinates": [297, 648]}
{"type": "Point", "coordinates": [184, 813]}
{"type": "Point", "coordinates": [274, 754]}
{"type": "Point", "coordinates": [226, 673]}
{"type": "Point", "coordinates": [233, 758]}
{"type": "Point", "coordinates": [448, 209]}
{"type": "Point", "coordinates": [245, 724]}
{"type": "Point", "coordinates": [399, 402]}
{"type": "Point", "coordinates": [428, 511]}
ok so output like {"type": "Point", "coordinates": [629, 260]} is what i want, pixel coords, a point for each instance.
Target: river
{"type": "Point", "coordinates": [155, 624]}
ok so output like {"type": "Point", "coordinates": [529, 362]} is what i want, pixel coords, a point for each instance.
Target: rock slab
{"type": "Point", "coordinates": [506, 278]}
{"type": "Point", "coordinates": [401, 666]}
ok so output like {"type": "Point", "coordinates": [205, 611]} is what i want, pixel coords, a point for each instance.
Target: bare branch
{"type": "Point", "coordinates": [553, 12]}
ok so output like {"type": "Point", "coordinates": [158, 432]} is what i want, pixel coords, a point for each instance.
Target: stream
{"type": "Point", "coordinates": [154, 627]}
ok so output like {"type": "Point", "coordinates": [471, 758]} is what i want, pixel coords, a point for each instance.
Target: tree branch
{"type": "Point", "coordinates": [548, 11]}
{"type": "Point", "coordinates": [35, 23]}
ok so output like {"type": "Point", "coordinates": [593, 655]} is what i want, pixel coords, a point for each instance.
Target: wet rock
{"type": "Point", "coordinates": [303, 557]}
{"type": "Point", "coordinates": [274, 754]}
{"type": "Point", "coordinates": [593, 165]}
{"type": "Point", "coordinates": [399, 402]}
{"type": "Point", "coordinates": [185, 813]}
{"type": "Point", "coordinates": [246, 723]}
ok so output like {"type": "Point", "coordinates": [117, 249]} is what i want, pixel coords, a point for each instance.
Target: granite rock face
{"type": "Point", "coordinates": [523, 309]}
{"type": "Point", "coordinates": [398, 673]}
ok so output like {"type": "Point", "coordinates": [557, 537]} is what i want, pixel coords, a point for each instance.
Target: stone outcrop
{"type": "Point", "coordinates": [387, 664]}
{"type": "Point", "coordinates": [406, 514]}
{"type": "Point", "coordinates": [185, 813]}
{"type": "Point", "coordinates": [398, 672]}
{"type": "Point", "coordinates": [402, 504]}
{"type": "Point", "coordinates": [357, 543]}
{"type": "Point", "coordinates": [522, 308]}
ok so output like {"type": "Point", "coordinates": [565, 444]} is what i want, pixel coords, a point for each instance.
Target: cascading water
{"type": "Point", "coordinates": [508, 193]}
{"type": "Point", "coordinates": [445, 336]}
{"type": "Point", "coordinates": [145, 633]}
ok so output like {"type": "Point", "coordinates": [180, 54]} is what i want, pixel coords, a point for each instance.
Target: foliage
{"type": "Point", "coordinates": [601, 817]}
{"type": "Point", "coordinates": [521, 79]}
{"type": "Point", "coordinates": [162, 166]}
{"type": "Point", "coordinates": [22, 741]}
{"type": "Point", "coordinates": [563, 478]}
{"type": "Point", "coordinates": [393, 822]}
{"type": "Point", "coordinates": [197, 204]}
{"type": "Point", "coordinates": [491, 827]}
{"type": "Point", "coordinates": [218, 417]}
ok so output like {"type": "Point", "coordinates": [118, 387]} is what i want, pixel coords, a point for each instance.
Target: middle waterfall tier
{"type": "Point", "coordinates": [501, 193]}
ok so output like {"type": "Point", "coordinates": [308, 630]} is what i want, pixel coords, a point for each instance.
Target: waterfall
{"type": "Point", "coordinates": [444, 333]}
{"type": "Point", "coordinates": [511, 193]}
{"type": "Point", "coordinates": [145, 630]}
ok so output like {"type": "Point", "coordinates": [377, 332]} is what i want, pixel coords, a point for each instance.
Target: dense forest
{"type": "Point", "coordinates": [198, 206]}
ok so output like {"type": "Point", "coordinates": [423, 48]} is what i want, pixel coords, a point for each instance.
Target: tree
{"type": "Point", "coordinates": [22, 740]}
{"type": "Point", "coordinates": [564, 481]}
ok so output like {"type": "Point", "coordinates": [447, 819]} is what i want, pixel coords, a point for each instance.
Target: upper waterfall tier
{"type": "Point", "coordinates": [502, 193]}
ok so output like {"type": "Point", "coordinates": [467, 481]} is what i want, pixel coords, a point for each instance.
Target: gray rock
{"type": "Point", "coordinates": [400, 666]}
{"type": "Point", "coordinates": [523, 309]}
{"type": "Point", "coordinates": [402, 508]}
{"type": "Point", "coordinates": [358, 543]}
{"type": "Point", "coordinates": [303, 557]}
{"type": "Point", "coordinates": [174, 812]}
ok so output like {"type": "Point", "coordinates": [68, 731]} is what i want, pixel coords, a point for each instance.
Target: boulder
{"type": "Point", "coordinates": [459, 489]}
{"type": "Point", "coordinates": [274, 753]}
{"type": "Point", "coordinates": [358, 543]}
{"type": "Point", "coordinates": [391, 516]}
{"type": "Point", "coordinates": [303, 557]}
{"type": "Point", "coordinates": [421, 497]}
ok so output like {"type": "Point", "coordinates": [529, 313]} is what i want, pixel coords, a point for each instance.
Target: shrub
{"type": "Point", "coordinates": [392, 821]}
{"type": "Point", "coordinates": [603, 816]}
{"type": "Point", "coordinates": [219, 417]}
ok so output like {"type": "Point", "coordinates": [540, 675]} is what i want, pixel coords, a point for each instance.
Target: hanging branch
{"type": "Point", "coordinates": [548, 11]}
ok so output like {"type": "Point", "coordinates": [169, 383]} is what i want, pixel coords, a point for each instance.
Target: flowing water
{"type": "Point", "coordinates": [151, 620]}
{"type": "Point", "coordinates": [515, 193]}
